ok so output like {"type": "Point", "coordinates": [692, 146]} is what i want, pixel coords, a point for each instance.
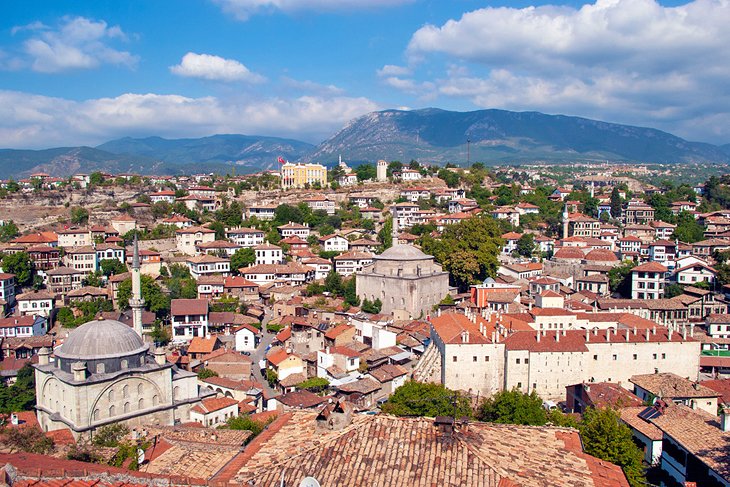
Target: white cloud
{"type": "Point", "coordinates": [211, 67]}
{"type": "Point", "coordinates": [632, 61]}
{"type": "Point", "coordinates": [243, 9]}
{"type": "Point", "coordinates": [77, 43]}
{"type": "Point", "coordinates": [35, 121]}
{"type": "Point", "coordinates": [393, 70]}
{"type": "Point", "coordinates": [309, 86]}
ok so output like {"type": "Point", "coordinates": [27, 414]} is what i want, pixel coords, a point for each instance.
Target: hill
{"type": "Point", "coordinates": [155, 155]}
{"type": "Point", "coordinates": [434, 135]}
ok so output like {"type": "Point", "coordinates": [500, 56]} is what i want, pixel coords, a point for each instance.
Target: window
{"type": "Point", "coordinates": [474, 358]}
{"type": "Point", "coordinates": [615, 356]}
{"type": "Point", "coordinates": [125, 391]}
{"type": "Point", "coordinates": [518, 361]}
{"type": "Point", "coordinates": [653, 355]}
{"type": "Point", "coordinates": [126, 407]}
{"type": "Point", "coordinates": [140, 404]}
{"type": "Point", "coordinates": [454, 359]}
{"type": "Point", "coordinates": [527, 361]}
{"type": "Point", "coordinates": [664, 355]}
{"type": "Point", "coordinates": [635, 356]}
{"type": "Point", "coordinates": [519, 385]}
{"type": "Point", "coordinates": [595, 357]}
{"type": "Point", "coordinates": [486, 358]}
{"type": "Point", "coordinates": [112, 411]}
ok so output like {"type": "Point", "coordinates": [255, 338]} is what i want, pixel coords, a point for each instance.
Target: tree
{"type": "Point", "coordinates": [615, 203]}
{"type": "Point", "coordinates": [207, 373]}
{"type": "Point", "coordinates": [8, 231]}
{"type": "Point", "coordinates": [513, 407]}
{"type": "Point", "coordinates": [467, 250]}
{"type": "Point", "coordinates": [155, 300]}
{"type": "Point", "coordinates": [672, 290]}
{"type": "Point", "coordinates": [110, 435]}
{"type": "Point", "coordinates": [385, 235]}
{"type": "Point", "coordinates": [688, 230]}
{"type": "Point", "coordinates": [366, 172]}
{"type": "Point", "coordinates": [243, 257]}
{"type": "Point", "coordinates": [112, 267]}
{"type": "Point", "coordinates": [619, 278]}
{"type": "Point", "coordinates": [160, 335]}
{"type": "Point", "coordinates": [606, 437]}
{"type": "Point", "coordinates": [526, 244]}
{"type": "Point", "coordinates": [333, 283]}
{"type": "Point", "coordinates": [21, 395]}
{"type": "Point", "coordinates": [451, 178]}
{"type": "Point", "coordinates": [421, 399]}
{"type": "Point", "coordinates": [314, 384]}
{"type": "Point", "coordinates": [66, 317]}
{"type": "Point", "coordinates": [350, 293]}
{"type": "Point", "coordinates": [79, 215]}
{"type": "Point", "coordinates": [96, 179]}
{"type": "Point", "coordinates": [373, 307]}
{"type": "Point", "coordinates": [30, 439]}
{"type": "Point", "coordinates": [20, 265]}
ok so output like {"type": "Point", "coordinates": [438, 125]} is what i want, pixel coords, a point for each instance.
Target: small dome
{"type": "Point", "coordinates": [402, 252]}
{"type": "Point", "coordinates": [101, 339]}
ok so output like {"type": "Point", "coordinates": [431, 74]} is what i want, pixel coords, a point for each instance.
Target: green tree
{"type": "Point", "coordinates": [243, 257]}
{"type": "Point", "coordinates": [207, 374]}
{"type": "Point", "coordinates": [314, 384]}
{"type": "Point", "coordinates": [79, 215]}
{"type": "Point", "coordinates": [513, 407]}
{"type": "Point", "coordinates": [688, 230]}
{"type": "Point", "coordinates": [606, 437]}
{"type": "Point", "coordinates": [8, 231]}
{"type": "Point", "coordinates": [333, 284]}
{"type": "Point", "coordinates": [66, 317]}
{"type": "Point", "coordinates": [672, 290]}
{"type": "Point", "coordinates": [30, 439]}
{"type": "Point", "coordinates": [467, 250]}
{"type": "Point", "coordinates": [112, 267]}
{"type": "Point", "coordinates": [366, 172]}
{"type": "Point", "coordinates": [385, 235]}
{"type": "Point", "coordinates": [110, 435]}
{"type": "Point", "coordinates": [155, 300]}
{"type": "Point", "coordinates": [421, 399]}
{"type": "Point", "coordinates": [451, 178]}
{"type": "Point", "coordinates": [526, 244]}
{"type": "Point", "coordinates": [373, 307]}
{"type": "Point", "coordinates": [350, 293]}
{"type": "Point", "coordinates": [615, 203]}
{"type": "Point", "coordinates": [21, 395]}
{"type": "Point", "coordinates": [20, 265]}
{"type": "Point", "coordinates": [619, 278]}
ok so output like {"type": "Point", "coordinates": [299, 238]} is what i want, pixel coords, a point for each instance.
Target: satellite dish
{"type": "Point", "coordinates": [309, 482]}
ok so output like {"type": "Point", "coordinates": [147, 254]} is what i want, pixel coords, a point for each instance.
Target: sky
{"type": "Point", "coordinates": [85, 72]}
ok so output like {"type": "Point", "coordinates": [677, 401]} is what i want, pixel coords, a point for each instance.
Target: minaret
{"type": "Point", "coordinates": [565, 221]}
{"type": "Point", "coordinates": [395, 229]}
{"type": "Point", "coordinates": [136, 302]}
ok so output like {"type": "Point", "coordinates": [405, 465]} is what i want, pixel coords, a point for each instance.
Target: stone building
{"type": "Point", "coordinates": [407, 281]}
{"type": "Point", "coordinates": [104, 373]}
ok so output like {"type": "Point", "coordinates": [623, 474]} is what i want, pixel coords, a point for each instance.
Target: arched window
{"type": "Point", "coordinates": [96, 414]}
{"type": "Point", "coordinates": [126, 407]}
{"type": "Point", "coordinates": [176, 392]}
{"type": "Point", "coordinates": [140, 404]}
{"type": "Point", "coordinates": [140, 389]}
{"type": "Point", "coordinates": [112, 411]}
{"type": "Point", "coordinates": [125, 391]}
{"type": "Point", "coordinates": [155, 400]}
{"type": "Point", "coordinates": [111, 394]}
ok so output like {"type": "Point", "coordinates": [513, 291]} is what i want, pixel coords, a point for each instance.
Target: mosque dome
{"type": "Point", "coordinates": [101, 339]}
{"type": "Point", "coordinates": [402, 252]}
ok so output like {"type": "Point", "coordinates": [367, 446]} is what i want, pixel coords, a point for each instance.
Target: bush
{"type": "Point", "coordinates": [30, 439]}
{"type": "Point", "coordinates": [207, 373]}
{"type": "Point", "coordinates": [110, 435]}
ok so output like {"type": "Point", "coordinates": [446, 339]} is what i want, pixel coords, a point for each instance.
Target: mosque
{"type": "Point", "coordinates": [407, 281]}
{"type": "Point", "coordinates": [105, 373]}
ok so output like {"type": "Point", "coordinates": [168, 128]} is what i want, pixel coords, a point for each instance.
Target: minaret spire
{"type": "Point", "coordinates": [136, 302]}
{"type": "Point", "coordinates": [395, 228]}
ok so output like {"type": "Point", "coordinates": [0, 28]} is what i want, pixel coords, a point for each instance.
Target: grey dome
{"type": "Point", "coordinates": [101, 339]}
{"type": "Point", "coordinates": [402, 252]}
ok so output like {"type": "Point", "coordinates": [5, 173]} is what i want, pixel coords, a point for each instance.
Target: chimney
{"type": "Point", "coordinates": [557, 335]}
{"type": "Point", "coordinates": [588, 335]}
{"type": "Point", "coordinates": [160, 358]}
{"type": "Point", "coordinates": [635, 330]}
{"type": "Point", "coordinates": [564, 331]}
{"type": "Point", "coordinates": [669, 334]}
{"type": "Point", "coordinates": [465, 336]}
{"type": "Point", "coordinates": [628, 332]}
{"type": "Point", "coordinates": [684, 332]}
{"type": "Point", "coordinates": [538, 336]}
{"type": "Point", "coordinates": [608, 334]}
{"type": "Point", "coordinates": [595, 331]}
{"type": "Point", "coordinates": [691, 330]}
{"type": "Point", "coordinates": [725, 418]}
{"type": "Point", "coordinates": [653, 330]}
{"type": "Point", "coordinates": [647, 334]}
{"type": "Point", "coordinates": [44, 356]}
{"type": "Point", "coordinates": [79, 371]}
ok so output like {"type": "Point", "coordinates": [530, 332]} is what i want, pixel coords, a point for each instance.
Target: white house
{"type": "Point", "coordinates": [246, 338]}
{"type": "Point", "coordinates": [334, 243]}
{"type": "Point", "coordinates": [214, 411]}
{"type": "Point", "coordinates": [204, 265]}
{"type": "Point", "coordinates": [694, 273]}
{"type": "Point", "coordinates": [189, 318]}
{"type": "Point", "coordinates": [647, 281]}
{"type": "Point", "coordinates": [262, 212]}
{"type": "Point", "coordinates": [268, 254]}
{"type": "Point", "coordinates": [321, 266]}
{"type": "Point", "coordinates": [245, 237]}
{"type": "Point", "coordinates": [35, 303]}
{"type": "Point", "coordinates": [410, 175]}
{"type": "Point", "coordinates": [7, 287]}
{"type": "Point", "coordinates": [351, 262]}
{"type": "Point", "coordinates": [187, 239]}
{"type": "Point", "coordinates": [291, 229]}
{"type": "Point", "coordinates": [107, 251]}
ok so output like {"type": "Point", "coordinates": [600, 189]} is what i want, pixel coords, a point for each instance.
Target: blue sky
{"type": "Point", "coordinates": [75, 72]}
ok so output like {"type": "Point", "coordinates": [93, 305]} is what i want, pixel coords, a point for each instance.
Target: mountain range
{"type": "Point", "coordinates": [428, 135]}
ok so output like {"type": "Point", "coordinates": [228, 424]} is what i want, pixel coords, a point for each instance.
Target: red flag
{"type": "Point", "coordinates": [281, 160]}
